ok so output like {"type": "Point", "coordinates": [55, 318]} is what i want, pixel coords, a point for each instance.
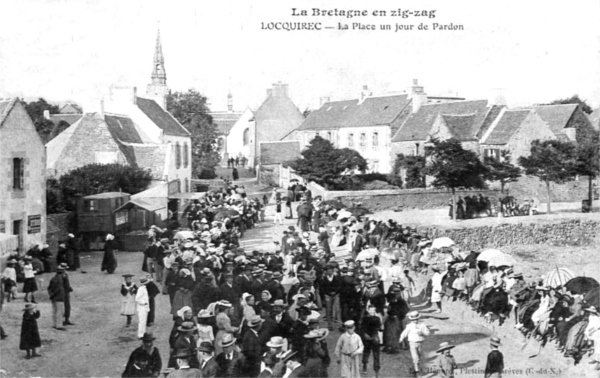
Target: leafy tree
{"type": "Point", "coordinates": [415, 170]}
{"type": "Point", "coordinates": [551, 161]}
{"type": "Point", "coordinates": [326, 165]}
{"type": "Point", "coordinates": [36, 109]}
{"type": "Point", "coordinates": [501, 169]}
{"type": "Point", "coordinates": [191, 110]}
{"type": "Point", "coordinates": [98, 178]}
{"type": "Point", "coordinates": [54, 198]}
{"type": "Point", "coordinates": [573, 100]}
{"type": "Point", "coordinates": [588, 161]}
{"type": "Point", "coordinates": [454, 167]}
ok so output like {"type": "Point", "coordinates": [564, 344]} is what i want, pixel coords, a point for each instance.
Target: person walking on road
{"type": "Point", "coordinates": [56, 292]}
{"type": "Point", "coordinates": [415, 332]}
{"type": "Point", "coordinates": [348, 351]}
{"type": "Point", "coordinates": [143, 306]}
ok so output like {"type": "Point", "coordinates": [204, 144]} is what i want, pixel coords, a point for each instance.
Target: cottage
{"type": "Point", "coordinates": [23, 191]}
{"type": "Point", "coordinates": [274, 162]}
{"type": "Point", "coordinates": [236, 129]}
{"type": "Point", "coordinates": [567, 121]}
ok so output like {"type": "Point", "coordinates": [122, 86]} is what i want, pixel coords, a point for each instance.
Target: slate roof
{"type": "Point", "coordinates": [373, 111]}
{"type": "Point", "coordinates": [146, 156]}
{"type": "Point", "coordinates": [461, 126]}
{"type": "Point", "coordinates": [418, 125]}
{"type": "Point", "coordinates": [556, 116]}
{"type": "Point", "coordinates": [75, 107]}
{"type": "Point", "coordinates": [279, 152]}
{"type": "Point", "coordinates": [122, 129]}
{"type": "Point", "coordinates": [225, 121]}
{"type": "Point", "coordinates": [149, 204]}
{"type": "Point", "coordinates": [5, 107]}
{"type": "Point", "coordinates": [68, 118]}
{"type": "Point", "coordinates": [507, 125]}
{"type": "Point", "coordinates": [161, 117]}
{"type": "Point", "coordinates": [493, 113]}
{"type": "Point", "coordinates": [106, 195]}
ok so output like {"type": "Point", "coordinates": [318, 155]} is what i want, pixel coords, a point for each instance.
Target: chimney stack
{"type": "Point", "coordinates": [280, 89]}
{"type": "Point", "coordinates": [47, 114]}
{"type": "Point", "coordinates": [365, 93]}
{"type": "Point", "coordinates": [229, 103]}
{"type": "Point", "coordinates": [134, 95]}
{"type": "Point", "coordinates": [418, 96]}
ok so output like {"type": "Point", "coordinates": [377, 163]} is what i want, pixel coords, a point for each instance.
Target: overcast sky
{"type": "Point", "coordinates": [536, 51]}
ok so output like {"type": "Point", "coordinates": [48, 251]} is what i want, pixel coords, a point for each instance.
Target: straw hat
{"type": "Point", "coordinates": [495, 341]}
{"type": "Point", "coordinates": [444, 346]}
{"type": "Point", "coordinates": [255, 321]}
{"type": "Point", "coordinates": [275, 342]}
{"type": "Point", "coordinates": [413, 315]}
{"type": "Point", "coordinates": [204, 314]}
{"type": "Point", "coordinates": [186, 327]}
{"type": "Point", "coordinates": [591, 309]}
{"type": "Point", "coordinates": [323, 332]}
{"type": "Point", "coordinates": [349, 324]}
{"type": "Point", "coordinates": [228, 340]}
{"type": "Point", "coordinates": [313, 334]}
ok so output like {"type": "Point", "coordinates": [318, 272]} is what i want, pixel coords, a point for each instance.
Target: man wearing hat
{"type": "Point", "coordinates": [446, 362]}
{"type": "Point", "coordinates": [371, 327]}
{"type": "Point", "coordinates": [209, 366]}
{"type": "Point", "coordinates": [300, 328]}
{"type": "Point", "coordinates": [495, 360]}
{"type": "Point", "coordinates": [204, 293]}
{"type": "Point", "coordinates": [415, 332]}
{"type": "Point", "coordinates": [251, 347]}
{"type": "Point", "coordinates": [184, 370]}
{"type": "Point", "coordinates": [226, 290]}
{"type": "Point", "coordinates": [292, 360]}
{"type": "Point", "coordinates": [143, 306]}
{"type": "Point", "coordinates": [275, 287]}
{"type": "Point", "coordinates": [348, 349]}
{"type": "Point", "coordinates": [269, 359]}
{"type": "Point", "coordinates": [330, 286]}
{"type": "Point", "coordinates": [144, 361]}
{"type": "Point", "coordinates": [230, 364]}
{"type": "Point", "coordinates": [56, 292]}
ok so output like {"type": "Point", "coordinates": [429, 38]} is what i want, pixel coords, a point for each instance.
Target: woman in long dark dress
{"type": "Point", "coordinates": [397, 310]}
{"type": "Point", "coordinates": [109, 262]}
{"type": "Point", "coordinates": [30, 335]}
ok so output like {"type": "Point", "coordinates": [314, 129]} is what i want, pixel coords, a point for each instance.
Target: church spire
{"type": "Point", "coordinates": [159, 75]}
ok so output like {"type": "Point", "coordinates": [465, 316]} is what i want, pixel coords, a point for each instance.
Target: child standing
{"type": "Point", "coordinates": [128, 291]}
{"type": "Point", "coordinates": [30, 285]}
{"type": "Point", "coordinates": [445, 361]}
{"type": "Point", "coordinates": [10, 279]}
{"type": "Point", "coordinates": [415, 332]}
{"type": "Point", "coordinates": [30, 335]}
{"type": "Point", "coordinates": [278, 213]}
{"type": "Point", "coordinates": [348, 350]}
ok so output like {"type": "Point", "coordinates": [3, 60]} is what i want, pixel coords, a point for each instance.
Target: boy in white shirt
{"type": "Point", "coordinates": [415, 332]}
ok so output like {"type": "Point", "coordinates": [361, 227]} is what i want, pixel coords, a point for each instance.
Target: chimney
{"type": "Point", "coordinates": [323, 100]}
{"type": "Point", "coordinates": [134, 95]}
{"type": "Point", "coordinates": [417, 95]}
{"type": "Point", "coordinates": [229, 103]}
{"type": "Point", "coordinates": [280, 89]}
{"type": "Point", "coordinates": [365, 93]}
{"type": "Point", "coordinates": [269, 92]}
{"type": "Point", "coordinates": [47, 114]}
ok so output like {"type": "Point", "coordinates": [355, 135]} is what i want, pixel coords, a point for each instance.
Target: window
{"type": "Point", "coordinates": [177, 155]}
{"type": "Point", "coordinates": [375, 139]}
{"type": "Point", "coordinates": [186, 156]}
{"type": "Point", "coordinates": [416, 149]}
{"type": "Point", "coordinates": [18, 173]}
{"type": "Point", "coordinates": [89, 205]}
{"type": "Point", "coordinates": [119, 202]}
{"type": "Point", "coordinates": [329, 136]}
{"type": "Point", "coordinates": [246, 136]}
{"type": "Point", "coordinates": [363, 140]}
{"type": "Point", "coordinates": [492, 152]}
{"type": "Point", "coordinates": [350, 139]}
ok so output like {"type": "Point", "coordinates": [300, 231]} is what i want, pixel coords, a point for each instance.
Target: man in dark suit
{"type": "Point", "coordinates": [284, 321]}
{"type": "Point", "coordinates": [227, 291]}
{"type": "Point", "coordinates": [293, 360]}
{"type": "Point", "coordinates": [495, 360]}
{"type": "Point", "coordinates": [275, 288]}
{"type": "Point", "coordinates": [251, 347]}
{"type": "Point", "coordinates": [257, 286]}
{"type": "Point", "coordinates": [269, 327]}
{"type": "Point", "coordinates": [359, 243]}
{"type": "Point", "coordinates": [242, 282]}
{"type": "Point", "coordinates": [209, 366]}
{"type": "Point", "coordinates": [330, 287]}
{"type": "Point", "coordinates": [204, 294]}
{"type": "Point", "coordinates": [269, 359]}
{"type": "Point", "coordinates": [229, 361]}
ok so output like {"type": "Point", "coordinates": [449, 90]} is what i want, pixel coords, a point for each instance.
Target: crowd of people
{"type": "Point", "coordinates": [270, 312]}
{"type": "Point", "coordinates": [477, 206]}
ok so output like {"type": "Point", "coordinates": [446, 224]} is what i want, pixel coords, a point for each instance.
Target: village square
{"type": "Point", "coordinates": [157, 229]}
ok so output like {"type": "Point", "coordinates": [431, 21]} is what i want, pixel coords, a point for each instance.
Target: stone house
{"type": "Point", "coordinates": [595, 119]}
{"type": "Point", "coordinates": [567, 121]}
{"type": "Point", "coordinates": [274, 158]}
{"type": "Point", "coordinates": [236, 130]}
{"type": "Point", "coordinates": [514, 130]}
{"type": "Point", "coordinates": [23, 165]}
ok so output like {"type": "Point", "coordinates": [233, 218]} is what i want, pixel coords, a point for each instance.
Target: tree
{"type": "Point", "coordinates": [191, 110]}
{"type": "Point", "coordinates": [36, 109]}
{"type": "Point", "coordinates": [573, 100]}
{"type": "Point", "coordinates": [588, 161]}
{"type": "Point", "coordinates": [98, 178]}
{"type": "Point", "coordinates": [415, 170]}
{"type": "Point", "coordinates": [551, 161]}
{"type": "Point", "coordinates": [454, 167]}
{"type": "Point", "coordinates": [326, 165]}
{"type": "Point", "coordinates": [501, 169]}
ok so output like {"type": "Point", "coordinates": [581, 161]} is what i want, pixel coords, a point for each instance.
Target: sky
{"type": "Point", "coordinates": [534, 51]}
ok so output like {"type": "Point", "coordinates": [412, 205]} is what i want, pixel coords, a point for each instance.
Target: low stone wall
{"type": "Point", "coordinates": [377, 200]}
{"type": "Point", "coordinates": [532, 187]}
{"type": "Point", "coordinates": [553, 232]}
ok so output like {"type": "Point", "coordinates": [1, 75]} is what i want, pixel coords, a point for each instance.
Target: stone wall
{"type": "Point", "coordinates": [554, 232]}
{"type": "Point", "coordinates": [530, 187]}
{"type": "Point", "coordinates": [378, 200]}
{"type": "Point", "coordinates": [269, 174]}
{"type": "Point", "coordinates": [59, 226]}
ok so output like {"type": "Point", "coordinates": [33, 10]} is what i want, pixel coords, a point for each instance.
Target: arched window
{"type": "Point", "coordinates": [186, 155]}
{"type": "Point", "coordinates": [177, 155]}
{"type": "Point", "coordinates": [247, 136]}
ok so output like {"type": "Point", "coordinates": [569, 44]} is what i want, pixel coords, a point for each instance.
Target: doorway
{"type": "Point", "coordinates": [18, 230]}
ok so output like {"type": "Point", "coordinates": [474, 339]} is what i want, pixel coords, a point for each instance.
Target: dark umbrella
{"type": "Point", "coordinates": [333, 203]}
{"type": "Point", "coordinates": [581, 285]}
{"type": "Point", "coordinates": [593, 297]}
{"type": "Point", "coordinates": [358, 211]}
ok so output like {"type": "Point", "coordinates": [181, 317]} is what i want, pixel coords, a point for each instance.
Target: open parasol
{"type": "Point", "coordinates": [558, 277]}
{"type": "Point", "coordinates": [442, 242]}
{"type": "Point", "coordinates": [592, 298]}
{"type": "Point", "coordinates": [502, 260]}
{"type": "Point", "coordinates": [182, 235]}
{"type": "Point", "coordinates": [367, 253]}
{"type": "Point", "coordinates": [488, 254]}
{"type": "Point", "coordinates": [581, 285]}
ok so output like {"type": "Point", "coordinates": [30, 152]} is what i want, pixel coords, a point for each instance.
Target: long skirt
{"type": "Point", "coordinates": [30, 285]}
{"type": "Point", "coordinates": [181, 299]}
{"type": "Point", "coordinates": [391, 333]}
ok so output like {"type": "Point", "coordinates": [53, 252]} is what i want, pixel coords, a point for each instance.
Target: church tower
{"type": "Point", "coordinates": [157, 90]}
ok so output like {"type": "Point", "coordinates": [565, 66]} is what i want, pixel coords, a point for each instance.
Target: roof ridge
{"type": "Point", "coordinates": [11, 103]}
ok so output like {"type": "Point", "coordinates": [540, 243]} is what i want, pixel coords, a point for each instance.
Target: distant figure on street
{"type": "Point", "coordinates": [495, 360]}
{"type": "Point", "coordinates": [109, 261]}
{"type": "Point", "coordinates": [234, 174]}
{"type": "Point", "coordinates": [30, 335]}
{"type": "Point", "coordinates": [237, 161]}
{"type": "Point", "coordinates": [143, 306]}
{"type": "Point", "coordinates": [128, 291]}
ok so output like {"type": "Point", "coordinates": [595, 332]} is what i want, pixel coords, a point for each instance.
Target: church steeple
{"type": "Point", "coordinates": [159, 75]}
{"type": "Point", "coordinates": [157, 89]}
